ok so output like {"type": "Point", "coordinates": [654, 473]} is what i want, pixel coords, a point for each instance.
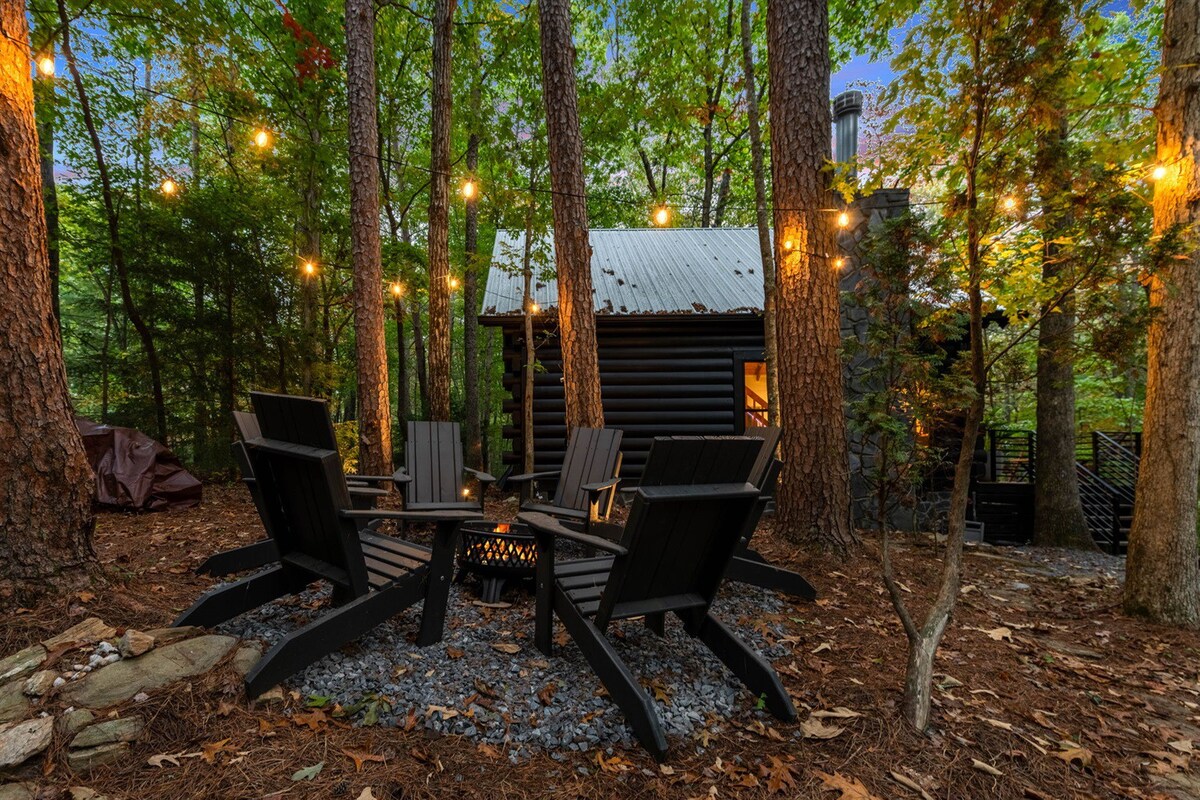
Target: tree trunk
{"type": "Point", "coordinates": [374, 415]}
{"type": "Point", "coordinates": [814, 496]}
{"type": "Point", "coordinates": [722, 197]}
{"type": "Point", "coordinates": [310, 252]}
{"type": "Point", "coordinates": [44, 106]}
{"type": "Point", "coordinates": [1058, 511]}
{"type": "Point", "coordinates": [46, 485]}
{"type": "Point", "coordinates": [439, 214]}
{"type": "Point", "coordinates": [572, 249]}
{"type": "Point", "coordinates": [1161, 578]}
{"type": "Point", "coordinates": [471, 305]}
{"type": "Point", "coordinates": [402, 410]}
{"type": "Point", "coordinates": [762, 220]}
{"type": "Point", "coordinates": [527, 364]}
{"type": "Point", "coordinates": [145, 336]}
{"type": "Point", "coordinates": [419, 357]}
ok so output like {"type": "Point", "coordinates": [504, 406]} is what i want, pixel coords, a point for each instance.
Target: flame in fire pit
{"type": "Point", "coordinates": [503, 527]}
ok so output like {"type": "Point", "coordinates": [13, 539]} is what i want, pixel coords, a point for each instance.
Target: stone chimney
{"type": "Point", "coordinates": [847, 108]}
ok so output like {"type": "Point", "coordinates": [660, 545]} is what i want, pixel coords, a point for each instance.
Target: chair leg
{"type": "Point", "coordinates": [240, 596]}
{"type": "Point", "coordinates": [333, 630]}
{"type": "Point", "coordinates": [752, 669]}
{"type": "Point", "coordinates": [621, 684]}
{"type": "Point", "coordinates": [437, 594]}
{"type": "Point", "coordinates": [543, 617]}
{"type": "Point", "coordinates": [656, 623]}
{"type": "Point", "coordinates": [745, 569]}
{"type": "Point", "coordinates": [240, 559]}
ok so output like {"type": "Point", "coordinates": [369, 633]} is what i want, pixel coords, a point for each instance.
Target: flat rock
{"type": "Point", "coordinates": [20, 741]}
{"type": "Point", "coordinates": [90, 631]}
{"type": "Point", "coordinates": [134, 643]}
{"type": "Point", "coordinates": [39, 683]}
{"type": "Point", "coordinates": [118, 682]}
{"type": "Point", "coordinates": [17, 791]}
{"type": "Point", "coordinates": [171, 635]}
{"type": "Point", "coordinates": [18, 665]}
{"type": "Point", "coordinates": [74, 721]}
{"type": "Point", "coordinates": [245, 658]}
{"type": "Point", "coordinates": [125, 729]}
{"type": "Point", "coordinates": [14, 704]}
{"type": "Point", "coordinates": [92, 757]}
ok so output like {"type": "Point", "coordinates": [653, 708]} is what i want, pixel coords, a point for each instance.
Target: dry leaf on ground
{"type": "Point", "coordinates": [850, 788]}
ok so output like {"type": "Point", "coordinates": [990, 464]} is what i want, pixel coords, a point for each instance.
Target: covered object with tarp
{"type": "Point", "coordinates": [134, 472]}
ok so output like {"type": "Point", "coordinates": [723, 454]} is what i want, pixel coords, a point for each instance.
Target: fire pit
{"type": "Point", "coordinates": [496, 552]}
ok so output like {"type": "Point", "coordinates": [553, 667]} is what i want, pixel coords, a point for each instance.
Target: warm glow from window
{"type": "Point", "coordinates": [45, 66]}
{"type": "Point", "coordinates": [169, 187]}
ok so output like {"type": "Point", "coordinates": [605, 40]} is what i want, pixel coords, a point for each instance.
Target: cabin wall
{"type": "Point", "coordinates": [659, 376]}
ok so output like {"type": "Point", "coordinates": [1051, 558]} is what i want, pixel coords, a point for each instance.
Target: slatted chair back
{"type": "Point", "coordinates": [247, 425]}
{"type": "Point", "coordinates": [593, 455]}
{"type": "Point", "coordinates": [680, 536]}
{"type": "Point", "coordinates": [433, 458]}
{"type": "Point", "coordinates": [304, 492]}
{"type": "Point", "coordinates": [290, 418]}
{"type": "Point", "coordinates": [770, 438]}
{"type": "Point", "coordinates": [701, 459]}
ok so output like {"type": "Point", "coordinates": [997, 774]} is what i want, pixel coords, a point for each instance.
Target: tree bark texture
{"type": "Point", "coordinates": [1161, 580]}
{"type": "Point", "coordinates": [374, 414]}
{"type": "Point", "coordinates": [419, 358]}
{"type": "Point", "coordinates": [471, 307]}
{"type": "Point", "coordinates": [572, 249]}
{"type": "Point", "coordinates": [761, 216]}
{"type": "Point", "coordinates": [402, 410]}
{"type": "Point", "coordinates": [44, 103]}
{"type": "Point", "coordinates": [117, 250]}
{"type": "Point", "coordinates": [310, 247]}
{"type": "Point", "coordinates": [814, 496]}
{"type": "Point", "coordinates": [439, 215]}
{"type": "Point", "coordinates": [1058, 511]}
{"type": "Point", "coordinates": [46, 485]}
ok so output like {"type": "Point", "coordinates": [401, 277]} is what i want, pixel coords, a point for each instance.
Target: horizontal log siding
{"type": "Point", "coordinates": [659, 376]}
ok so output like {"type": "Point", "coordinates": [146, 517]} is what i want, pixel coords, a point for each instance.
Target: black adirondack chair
{"type": "Point", "coordinates": [586, 484]}
{"type": "Point", "coordinates": [433, 471]}
{"type": "Point", "coordinates": [316, 430]}
{"type": "Point", "coordinates": [315, 528]}
{"type": "Point", "coordinates": [672, 557]}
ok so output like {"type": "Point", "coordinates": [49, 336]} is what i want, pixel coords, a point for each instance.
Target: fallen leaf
{"type": "Point", "coordinates": [308, 773]}
{"type": "Point", "coordinates": [841, 712]}
{"type": "Point", "coordinates": [850, 788]}
{"type": "Point", "coordinates": [546, 695]}
{"type": "Point", "coordinates": [315, 720]}
{"type": "Point", "coordinates": [360, 758]}
{"type": "Point", "coordinates": [909, 783]}
{"type": "Point", "coordinates": [163, 758]}
{"type": "Point", "coordinates": [815, 729]}
{"type": "Point", "coordinates": [455, 652]}
{"type": "Point", "coordinates": [995, 723]}
{"type": "Point", "coordinates": [225, 708]}
{"type": "Point", "coordinates": [822, 647]}
{"type": "Point", "coordinates": [614, 764]}
{"type": "Point", "coordinates": [366, 794]}
{"type": "Point", "coordinates": [210, 751]}
{"type": "Point", "coordinates": [507, 647]}
{"type": "Point", "coordinates": [779, 775]}
{"type": "Point", "coordinates": [447, 713]}
{"type": "Point", "coordinates": [1076, 753]}
{"type": "Point", "coordinates": [985, 767]}
{"type": "Point", "coordinates": [999, 634]}
{"type": "Point", "coordinates": [1182, 745]}
{"type": "Point", "coordinates": [86, 597]}
{"type": "Point", "coordinates": [488, 750]}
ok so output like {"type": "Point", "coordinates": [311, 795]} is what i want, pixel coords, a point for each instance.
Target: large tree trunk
{"type": "Point", "coordinates": [310, 252]}
{"type": "Point", "coordinates": [374, 415]}
{"type": "Point", "coordinates": [1161, 578]}
{"type": "Point", "coordinates": [471, 305]}
{"type": "Point", "coordinates": [145, 336]}
{"type": "Point", "coordinates": [45, 482]}
{"type": "Point", "coordinates": [439, 214]}
{"type": "Point", "coordinates": [529, 361]}
{"type": "Point", "coordinates": [1058, 514]}
{"type": "Point", "coordinates": [572, 250]}
{"type": "Point", "coordinates": [419, 358]}
{"type": "Point", "coordinates": [44, 104]}
{"type": "Point", "coordinates": [401, 368]}
{"type": "Point", "coordinates": [761, 217]}
{"type": "Point", "coordinates": [814, 496]}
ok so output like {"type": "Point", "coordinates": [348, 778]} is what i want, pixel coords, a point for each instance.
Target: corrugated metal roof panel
{"type": "Point", "coordinates": [644, 271]}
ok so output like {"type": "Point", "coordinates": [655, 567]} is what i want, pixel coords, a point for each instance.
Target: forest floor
{"type": "Point", "coordinates": [1044, 691]}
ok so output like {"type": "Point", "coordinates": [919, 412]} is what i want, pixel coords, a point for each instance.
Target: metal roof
{"type": "Point", "coordinates": [643, 271]}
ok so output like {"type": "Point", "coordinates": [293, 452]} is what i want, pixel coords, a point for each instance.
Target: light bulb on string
{"type": "Point", "coordinates": [534, 308]}
{"type": "Point", "coordinates": [45, 66]}
{"type": "Point", "coordinates": [469, 189]}
{"type": "Point", "coordinates": [309, 268]}
{"type": "Point", "coordinates": [1009, 203]}
{"type": "Point", "coordinates": [838, 263]}
{"type": "Point", "coordinates": [453, 283]}
{"type": "Point", "coordinates": [843, 219]}
{"type": "Point", "coordinates": [662, 216]}
{"type": "Point", "coordinates": [1158, 173]}
{"type": "Point", "coordinates": [398, 289]}
{"type": "Point", "coordinates": [169, 187]}
{"type": "Point", "coordinates": [262, 138]}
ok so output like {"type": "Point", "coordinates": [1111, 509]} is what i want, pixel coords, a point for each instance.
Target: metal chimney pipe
{"type": "Point", "coordinates": [847, 108]}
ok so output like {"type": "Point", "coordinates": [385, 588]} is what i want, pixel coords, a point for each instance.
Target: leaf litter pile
{"type": "Point", "coordinates": [1043, 690]}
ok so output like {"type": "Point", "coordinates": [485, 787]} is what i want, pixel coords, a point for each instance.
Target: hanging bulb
{"type": "Point", "coordinates": [453, 283]}
{"type": "Point", "coordinates": [533, 308]}
{"type": "Point", "coordinates": [468, 189]}
{"type": "Point", "coordinates": [662, 216]}
{"type": "Point", "coordinates": [788, 245]}
{"type": "Point", "coordinates": [839, 263]}
{"type": "Point", "coordinates": [1010, 203]}
{"type": "Point", "coordinates": [843, 220]}
{"type": "Point", "coordinates": [310, 268]}
{"type": "Point", "coordinates": [45, 66]}
{"type": "Point", "coordinates": [169, 187]}
{"type": "Point", "coordinates": [262, 138]}
{"type": "Point", "coordinates": [1158, 173]}
{"type": "Point", "coordinates": [398, 289]}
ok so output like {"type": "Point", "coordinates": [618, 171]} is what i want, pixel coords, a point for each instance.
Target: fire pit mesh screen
{"type": "Point", "coordinates": [496, 552]}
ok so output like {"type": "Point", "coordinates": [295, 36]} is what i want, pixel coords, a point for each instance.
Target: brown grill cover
{"type": "Point", "coordinates": [134, 472]}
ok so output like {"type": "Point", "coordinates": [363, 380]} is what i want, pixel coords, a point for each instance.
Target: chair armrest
{"type": "Point", "coordinates": [700, 491]}
{"type": "Point", "coordinates": [544, 523]}
{"type": "Point", "coordinates": [529, 477]}
{"type": "Point", "coordinates": [480, 475]}
{"type": "Point", "coordinates": [367, 491]}
{"type": "Point", "coordinates": [400, 476]}
{"type": "Point", "coordinates": [412, 516]}
{"type": "Point", "coordinates": [371, 478]}
{"type": "Point", "coordinates": [600, 486]}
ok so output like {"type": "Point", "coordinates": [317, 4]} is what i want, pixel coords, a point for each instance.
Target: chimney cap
{"type": "Point", "coordinates": [850, 102]}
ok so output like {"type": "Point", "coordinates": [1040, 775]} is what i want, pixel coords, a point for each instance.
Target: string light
{"type": "Point", "coordinates": [453, 283]}
{"type": "Point", "coordinates": [533, 307]}
{"type": "Point", "coordinates": [1009, 203]}
{"type": "Point", "coordinates": [466, 492]}
{"type": "Point", "coordinates": [662, 216]}
{"type": "Point", "coordinates": [788, 245]}
{"type": "Point", "coordinates": [398, 289]}
{"type": "Point", "coordinates": [468, 189]}
{"type": "Point", "coordinates": [45, 66]}
{"type": "Point", "coordinates": [1158, 173]}
{"type": "Point", "coordinates": [843, 220]}
{"type": "Point", "coordinates": [839, 262]}
{"type": "Point", "coordinates": [262, 138]}
{"type": "Point", "coordinates": [168, 187]}
{"type": "Point", "coordinates": [309, 268]}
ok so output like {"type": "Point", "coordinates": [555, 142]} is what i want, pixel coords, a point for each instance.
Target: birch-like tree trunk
{"type": "Point", "coordinates": [572, 249]}
{"type": "Point", "coordinates": [46, 485]}
{"type": "Point", "coordinates": [1161, 577]}
{"type": "Point", "coordinates": [374, 412]}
